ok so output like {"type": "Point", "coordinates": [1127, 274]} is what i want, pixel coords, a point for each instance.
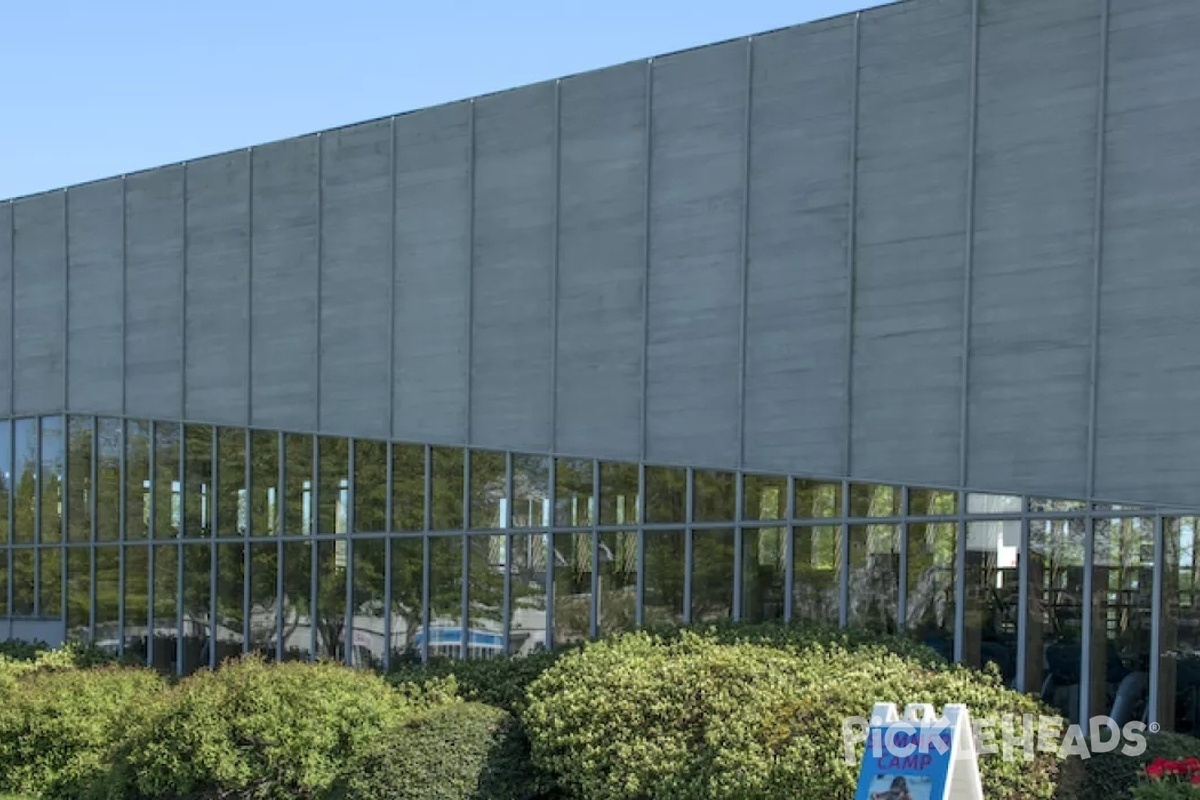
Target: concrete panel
{"type": "Point", "coordinates": [1149, 373]}
{"type": "Point", "coordinates": [1031, 323]}
{"type": "Point", "coordinates": [6, 326]}
{"type": "Point", "coordinates": [218, 292]}
{"type": "Point", "coordinates": [798, 277]}
{"type": "Point", "coordinates": [283, 351]}
{"type": "Point", "coordinates": [39, 300]}
{"type": "Point", "coordinates": [154, 266]}
{"type": "Point", "coordinates": [602, 263]}
{"type": "Point", "coordinates": [95, 297]}
{"type": "Point", "coordinates": [697, 167]}
{"type": "Point", "coordinates": [432, 274]}
{"type": "Point", "coordinates": [356, 279]}
{"type": "Point", "coordinates": [910, 255]}
{"type": "Point", "coordinates": [513, 269]}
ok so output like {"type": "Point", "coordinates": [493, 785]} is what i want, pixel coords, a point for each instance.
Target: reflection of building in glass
{"type": "Point", "coordinates": [803, 326]}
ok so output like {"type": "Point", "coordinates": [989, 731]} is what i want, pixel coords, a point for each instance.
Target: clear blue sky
{"type": "Point", "coordinates": [93, 89]}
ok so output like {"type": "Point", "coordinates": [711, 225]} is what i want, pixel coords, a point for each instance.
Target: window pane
{"type": "Point", "coordinates": [663, 604]}
{"type": "Point", "coordinates": [875, 576]}
{"type": "Point", "coordinates": [818, 500]}
{"type": "Point", "coordinates": [765, 497]}
{"type": "Point", "coordinates": [1043, 504]}
{"type": "Point", "coordinates": [489, 506]}
{"type": "Point", "coordinates": [231, 482]}
{"type": "Point", "coordinates": [618, 581]}
{"type": "Point", "coordinates": [1055, 622]}
{"type": "Point", "coordinates": [992, 595]}
{"type": "Point", "coordinates": [1122, 591]}
{"type": "Point", "coordinates": [136, 601]}
{"type": "Point", "coordinates": [22, 580]}
{"type": "Point", "coordinates": [368, 602]}
{"type": "Point", "coordinates": [527, 628]}
{"type": "Point", "coordinates": [993, 504]}
{"type": "Point", "coordinates": [445, 593]}
{"type": "Point", "coordinates": [298, 465]}
{"type": "Point", "coordinates": [618, 493]}
{"type": "Point", "coordinates": [408, 570]}
{"type": "Point", "coordinates": [108, 597]}
{"type": "Point", "coordinates": [370, 485]}
{"type": "Point", "coordinates": [712, 575]}
{"type": "Point", "coordinates": [817, 572]}
{"type": "Point", "coordinates": [228, 631]}
{"type": "Point", "coordinates": [572, 586]}
{"type": "Point", "coordinates": [79, 479]}
{"type": "Point", "coordinates": [137, 480]}
{"type": "Point", "coordinates": [108, 479]}
{"type": "Point", "coordinates": [408, 487]}
{"type": "Point", "coordinates": [166, 605]}
{"type": "Point", "coordinates": [331, 598]}
{"type": "Point", "coordinates": [932, 503]}
{"type": "Point", "coordinates": [489, 559]}
{"type": "Point", "coordinates": [264, 598]}
{"type": "Point", "coordinates": [297, 600]}
{"type": "Point", "coordinates": [531, 492]}
{"type": "Point", "coordinates": [167, 513]}
{"type": "Point", "coordinates": [53, 459]}
{"type": "Point", "coordinates": [6, 477]}
{"type": "Point", "coordinates": [198, 482]}
{"type": "Point", "coordinates": [264, 483]}
{"type": "Point", "coordinates": [50, 584]}
{"type": "Point", "coordinates": [932, 554]}
{"type": "Point", "coordinates": [874, 500]}
{"type": "Point", "coordinates": [333, 491]}
{"type": "Point", "coordinates": [764, 570]}
{"type": "Point", "coordinates": [197, 606]}
{"type": "Point", "coordinates": [573, 499]}
{"type": "Point", "coordinates": [25, 481]}
{"type": "Point", "coordinates": [79, 594]}
{"type": "Point", "coordinates": [666, 494]}
{"type": "Point", "coordinates": [5, 574]}
{"type": "Point", "coordinates": [1179, 643]}
{"type": "Point", "coordinates": [447, 488]}
{"type": "Point", "coordinates": [714, 496]}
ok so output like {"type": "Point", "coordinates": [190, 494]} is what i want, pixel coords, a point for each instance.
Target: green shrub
{"type": "Point", "coordinates": [253, 729]}
{"type": "Point", "coordinates": [460, 751]}
{"type": "Point", "coordinates": [1114, 775]}
{"type": "Point", "coordinates": [690, 718]}
{"type": "Point", "coordinates": [500, 682]}
{"type": "Point", "coordinates": [57, 730]}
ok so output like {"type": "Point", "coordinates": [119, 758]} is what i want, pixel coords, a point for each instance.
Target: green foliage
{"type": "Point", "coordinates": [460, 751]}
{"type": "Point", "coordinates": [1115, 775]}
{"type": "Point", "coordinates": [1162, 790]}
{"type": "Point", "coordinates": [254, 729]}
{"type": "Point", "coordinates": [500, 682]}
{"type": "Point", "coordinates": [690, 717]}
{"type": "Point", "coordinates": [57, 729]}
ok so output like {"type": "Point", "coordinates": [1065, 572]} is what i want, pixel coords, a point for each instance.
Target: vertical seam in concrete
{"type": "Point", "coordinates": [66, 318]}
{"type": "Point", "coordinates": [470, 269]}
{"type": "Point", "coordinates": [554, 255]}
{"type": "Point", "coordinates": [320, 259]}
{"type": "Point", "coordinates": [183, 293]}
{"type": "Point", "coordinates": [645, 400]}
{"type": "Point", "coordinates": [1097, 248]}
{"type": "Point", "coordinates": [745, 255]}
{"type": "Point", "coordinates": [124, 302]}
{"type": "Point", "coordinates": [964, 410]}
{"type": "Point", "coordinates": [12, 310]}
{"type": "Point", "coordinates": [249, 300]}
{"type": "Point", "coordinates": [391, 307]}
{"type": "Point", "coordinates": [852, 240]}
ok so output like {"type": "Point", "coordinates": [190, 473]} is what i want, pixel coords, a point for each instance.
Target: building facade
{"type": "Point", "coordinates": [884, 320]}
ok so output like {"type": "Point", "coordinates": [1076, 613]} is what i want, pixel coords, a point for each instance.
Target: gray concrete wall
{"type": "Point", "coordinates": [944, 241]}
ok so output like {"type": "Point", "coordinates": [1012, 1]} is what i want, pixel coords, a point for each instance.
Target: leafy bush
{"type": "Point", "coordinates": [1115, 775]}
{"type": "Point", "coordinates": [500, 682]}
{"type": "Point", "coordinates": [460, 751]}
{"type": "Point", "coordinates": [56, 732]}
{"type": "Point", "coordinates": [690, 718]}
{"type": "Point", "coordinates": [254, 729]}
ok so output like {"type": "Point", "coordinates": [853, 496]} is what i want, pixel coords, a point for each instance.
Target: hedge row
{"type": "Point", "coordinates": [718, 713]}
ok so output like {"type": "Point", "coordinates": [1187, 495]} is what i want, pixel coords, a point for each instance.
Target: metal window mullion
{"type": "Point", "coordinates": [1085, 659]}
{"type": "Point", "coordinates": [64, 512]}
{"type": "Point", "coordinates": [214, 585]}
{"type": "Point", "coordinates": [465, 565]}
{"type": "Point", "coordinates": [789, 550]}
{"type": "Point", "coordinates": [551, 558]}
{"type": "Point", "coordinates": [844, 577]}
{"type": "Point", "coordinates": [593, 518]}
{"type": "Point", "coordinates": [8, 509]}
{"type": "Point", "coordinates": [247, 534]}
{"type": "Point", "coordinates": [738, 545]}
{"type": "Point", "coordinates": [151, 527]}
{"type": "Point", "coordinates": [37, 517]}
{"type": "Point", "coordinates": [902, 578]}
{"type": "Point", "coordinates": [639, 613]}
{"type": "Point", "coordinates": [1156, 619]}
{"type": "Point", "coordinates": [281, 500]}
{"type": "Point", "coordinates": [181, 472]}
{"type": "Point", "coordinates": [314, 556]}
{"type": "Point", "coordinates": [689, 546]}
{"type": "Point", "coordinates": [93, 490]}
{"type": "Point", "coordinates": [960, 577]}
{"type": "Point", "coordinates": [1023, 607]}
{"type": "Point", "coordinates": [426, 552]}
{"type": "Point", "coordinates": [506, 600]}
{"type": "Point", "coordinates": [122, 546]}
{"type": "Point", "coordinates": [351, 524]}
{"type": "Point", "coordinates": [388, 525]}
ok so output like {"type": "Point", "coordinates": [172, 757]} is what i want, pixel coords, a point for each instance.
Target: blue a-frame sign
{"type": "Point", "coordinates": [920, 756]}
